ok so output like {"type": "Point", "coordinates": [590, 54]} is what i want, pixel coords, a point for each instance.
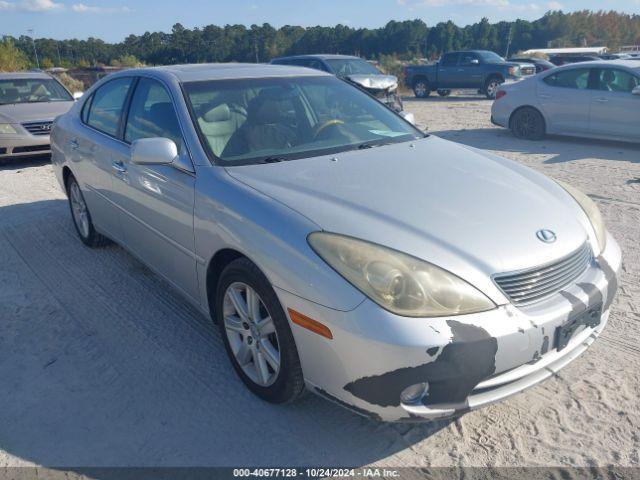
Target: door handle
{"type": "Point", "coordinates": [602, 100]}
{"type": "Point", "coordinates": [74, 144]}
{"type": "Point", "coordinates": [543, 95]}
{"type": "Point", "coordinates": [119, 167]}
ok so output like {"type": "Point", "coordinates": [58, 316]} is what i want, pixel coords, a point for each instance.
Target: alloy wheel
{"type": "Point", "coordinates": [420, 89]}
{"type": "Point", "coordinates": [251, 333]}
{"type": "Point", "coordinates": [492, 88]}
{"type": "Point", "coordinates": [79, 209]}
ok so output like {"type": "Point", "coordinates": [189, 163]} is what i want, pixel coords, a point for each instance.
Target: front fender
{"type": "Point", "coordinates": [231, 215]}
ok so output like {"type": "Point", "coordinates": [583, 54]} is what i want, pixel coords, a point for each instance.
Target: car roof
{"type": "Point", "coordinates": [23, 75]}
{"type": "Point", "coordinates": [320, 56]}
{"type": "Point", "coordinates": [627, 63]}
{"type": "Point", "coordinates": [220, 71]}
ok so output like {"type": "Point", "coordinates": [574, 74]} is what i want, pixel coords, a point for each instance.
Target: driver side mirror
{"type": "Point", "coordinates": [154, 151]}
{"type": "Point", "coordinates": [636, 90]}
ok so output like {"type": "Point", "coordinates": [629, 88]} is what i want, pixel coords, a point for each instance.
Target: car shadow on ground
{"type": "Point", "coordinates": [103, 364]}
{"type": "Point", "coordinates": [559, 149]}
{"type": "Point", "coordinates": [24, 162]}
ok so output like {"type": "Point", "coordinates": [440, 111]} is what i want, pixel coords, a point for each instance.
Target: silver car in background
{"type": "Point", "coordinates": [29, 102]}
{"type": "Point", "coordinates": [591, 99]}
{"type": "Point", "coordinates": [337, 247]}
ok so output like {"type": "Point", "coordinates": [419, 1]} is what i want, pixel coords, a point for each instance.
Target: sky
{"type": "Point", "coordinates": [114, 20]}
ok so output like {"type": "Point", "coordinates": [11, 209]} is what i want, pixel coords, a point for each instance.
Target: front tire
{"type": "Point", "coordinates": [528, 123]}
{"type": "Point", "coordinates": [421, 88]}
{"type": "Point", "coordinates": [256, 334]}
{"type": "Point", "coordinates": [491, 87]}
{"type": "Point", "coordinates": [81, 216]}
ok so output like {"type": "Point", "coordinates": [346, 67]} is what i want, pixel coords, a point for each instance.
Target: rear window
{"type": "Point", "coordinates": [577, 78]}
{"type": "Point", "coordinates": [450, 59]}
{"type": "Point", "coordinates": [107, 104]}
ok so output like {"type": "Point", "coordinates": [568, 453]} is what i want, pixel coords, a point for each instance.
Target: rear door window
{"type": "Point", "coordinates": [107, 105]}
{"type": "Point", "coordinates": [615, 80]}
{"type": "Point", "coordinates": [450, 59]}
{"type": "Point", "coordinates": [577, 78]}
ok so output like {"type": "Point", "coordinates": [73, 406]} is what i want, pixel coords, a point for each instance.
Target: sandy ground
{"type": "Point", "coordinates": [102, 364]}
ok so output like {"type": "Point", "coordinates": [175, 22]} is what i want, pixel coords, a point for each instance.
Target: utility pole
{"type": "Point", "coordinates": [35, 50]}
{"type": "Point", "coordinates": [508, 42]}
{"type": "Point", "coordinates": [58, 50]}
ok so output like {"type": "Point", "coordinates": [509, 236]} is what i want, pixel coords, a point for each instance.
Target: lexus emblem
{"type": "Point", "coordinates": [546, 236]}
{"type": "Point", "coordinates": [46, 127]}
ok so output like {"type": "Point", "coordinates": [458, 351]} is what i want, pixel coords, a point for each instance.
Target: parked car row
{"type": "Point", "coordinates": [599, 99]}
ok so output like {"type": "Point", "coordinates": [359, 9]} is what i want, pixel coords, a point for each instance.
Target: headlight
{"type": "Point", "coordinates": [592, 212]}
{"type": "Point", "coordinates": [7, 129]}
{"type": "Point", "coordinates": [513, 71]}
{"type": "Point", "coordinates": [402, 284]}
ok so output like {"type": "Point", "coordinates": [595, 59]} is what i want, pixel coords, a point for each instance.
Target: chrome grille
{"type": "Point", "coordinates": [528, 70]}
{"type": "Point", "coordinates": [38, 128]}
{"type": "Point", "coordinates": [535, 284]}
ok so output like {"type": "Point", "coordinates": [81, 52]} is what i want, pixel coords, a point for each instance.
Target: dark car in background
{"type": "Point", "coordinates": [355, 70]}
{"type": "Point", "coordinates": [560, 59]}
{"type": "Point", "coordinates": [540, 64]}
{"type": "Point", "coordinates": [480, 70]}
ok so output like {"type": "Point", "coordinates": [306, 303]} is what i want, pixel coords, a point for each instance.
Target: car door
{"type": "Point", "coordinates": [92, 148]}
{"type": "Point", "coordinates": [448, 70]}
{"type": "Point", "coordinates": [469, 72]}
{"type": "Point", "coordinates": [615, 111]}
{"type": "Point", "coordinates": [565, 100]}
{"type": "Point", "coordinates": [156, 201]}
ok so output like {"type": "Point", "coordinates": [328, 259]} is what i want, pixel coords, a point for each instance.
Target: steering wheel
{"type": "Point", "coordinates": [328, 123]}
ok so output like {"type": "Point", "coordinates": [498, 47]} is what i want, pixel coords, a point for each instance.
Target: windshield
{"type": "Point", "coordinates": [273, 119]}
{"type": "Point", "coordinates": [32, 90]}
{"type": "Point", "coordinates": [490, 57]}
{"type": "Point", "coordinates": [351, 66]}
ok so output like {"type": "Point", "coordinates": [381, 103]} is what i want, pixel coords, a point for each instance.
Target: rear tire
{"type": "Point", "coordinates": [491, 87]}
{"type": "Point", "coordinates": [444, 92]}
{"type": "Point", "coordinates": [527, 123]}
{"type": "Point", "coordinates": [82, 217]}
{"type": "Point", "coordinates": [421, 88]}
{"type": "Point", "coordinates": [283, 381]}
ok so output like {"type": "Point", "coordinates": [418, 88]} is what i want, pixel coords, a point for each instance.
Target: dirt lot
{"type": "Point", "coordinates": [102, 364]}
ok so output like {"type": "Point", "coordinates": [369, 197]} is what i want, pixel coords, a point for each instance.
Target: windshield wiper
{"type": "Point", "coordinates": [371, 144]}
{"type": "Point", "coordinates": [273, 159]}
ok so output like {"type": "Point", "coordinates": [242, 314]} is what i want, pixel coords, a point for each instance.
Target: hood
{"type": "Point", "coordinates": [374, 82]}
{"type": "Point", "coordinates": [472, 214]}
{"type": "Point", "coordinates": [30, 112]}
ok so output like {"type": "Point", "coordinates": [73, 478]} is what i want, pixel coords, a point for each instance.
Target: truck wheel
{"type": "Point", "coordinates": [491, 87]}
{"type": "Point", "coordinates": [527, 123]}
{"type": "Point", "coordinates": [444, 93]}
{"type": "Point", "coordinates": [421, 88]}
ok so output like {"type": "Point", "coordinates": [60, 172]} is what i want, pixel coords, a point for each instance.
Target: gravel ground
{"type": "Point", "coordinates": [102, 364]}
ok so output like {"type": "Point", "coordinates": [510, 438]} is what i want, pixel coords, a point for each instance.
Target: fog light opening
{"type": "Point", "coordinates": [414, 393]}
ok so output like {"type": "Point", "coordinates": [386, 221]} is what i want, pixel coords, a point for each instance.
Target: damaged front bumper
{"type": "Point", "coordinates": [464, 362]}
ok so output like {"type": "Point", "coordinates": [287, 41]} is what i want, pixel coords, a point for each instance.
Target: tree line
{"type": "Point", "coordinates": [406, 40]}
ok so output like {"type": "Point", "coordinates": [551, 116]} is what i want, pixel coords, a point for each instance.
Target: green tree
{"type": "Point", "coordinates": [11, 58]}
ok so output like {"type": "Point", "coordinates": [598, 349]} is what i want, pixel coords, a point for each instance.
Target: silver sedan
{"type": "Point", "coordinates": [337, 247]}
{"type": "Point", "coordinates": [29, 101]}
{"type": "Point", "coordinates": [589, 99]}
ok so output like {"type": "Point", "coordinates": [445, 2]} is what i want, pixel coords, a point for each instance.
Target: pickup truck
{"type": "Point", "coordinates": [474, 69]}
